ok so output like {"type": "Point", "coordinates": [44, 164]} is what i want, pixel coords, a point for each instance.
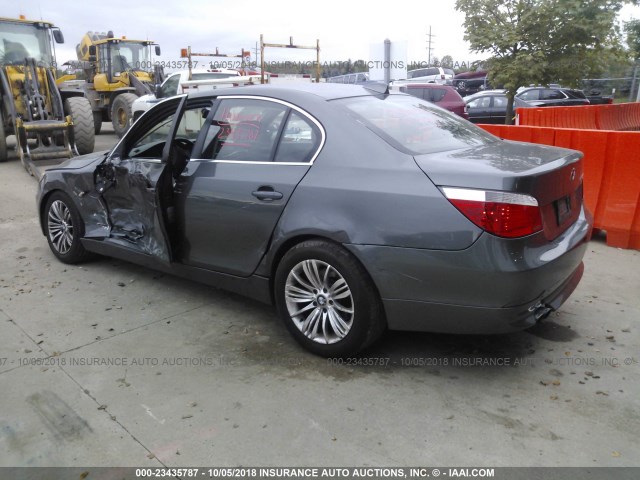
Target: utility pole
{"type": "Point", "coordinates": [256, 62]}
{"type": "Point", "coordinates": [430, 42]}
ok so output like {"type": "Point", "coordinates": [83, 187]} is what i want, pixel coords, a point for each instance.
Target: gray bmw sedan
{"type": "Point", "coordinates": [351, 209]}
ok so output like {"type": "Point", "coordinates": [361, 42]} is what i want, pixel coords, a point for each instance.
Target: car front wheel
{"type": "Point", "coordinates": [327, 300]}
{"type": "Point", "coordinates": [64, 228]}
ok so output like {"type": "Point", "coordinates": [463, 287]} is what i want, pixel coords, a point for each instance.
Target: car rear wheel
{"type": "Point", "coordinates": [64, 228]}
{"type": "Point", "coordinates": [327, 300]}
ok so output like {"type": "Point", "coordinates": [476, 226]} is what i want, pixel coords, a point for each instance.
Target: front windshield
{"type": "Point", "coordinates": [414, 126]}
{"type": "Point", "coordinates": [130, 56]}
{"type": "Point", "coordinates": [19, 41]}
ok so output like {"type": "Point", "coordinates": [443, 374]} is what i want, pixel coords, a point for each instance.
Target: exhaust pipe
{"type": "Point", "coordinates": [540, 311]}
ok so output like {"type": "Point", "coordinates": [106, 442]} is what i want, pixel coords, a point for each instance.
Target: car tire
{"type": "Point", "coordinates": [121, 113]}
{"type": "Point", "coordinates": [83, 128]}
{"type": "Point", "coordinates": [327, 300]}
{"type": "Point", "coordinates": [64, 229]}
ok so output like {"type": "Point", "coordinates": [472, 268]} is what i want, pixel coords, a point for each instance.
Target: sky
{"type": "Point", "coordinates": [346, 29]}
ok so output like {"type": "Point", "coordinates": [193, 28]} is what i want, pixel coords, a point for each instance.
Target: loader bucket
{"type": "Point", "coordinates": [45, 142]}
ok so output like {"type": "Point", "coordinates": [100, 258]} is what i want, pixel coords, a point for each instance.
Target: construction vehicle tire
{"type": "Point", "coordinates": [97, 122]}
{"type": "Point", "coordinates": [4, 154]}
{"type": "Point", "coordinates": [121, 113]}
{"type": "Point", "coordinates": [83, 128]}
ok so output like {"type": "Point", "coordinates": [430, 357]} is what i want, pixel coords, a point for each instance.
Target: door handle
{"type": "Point", "coordinates": [267, 193]}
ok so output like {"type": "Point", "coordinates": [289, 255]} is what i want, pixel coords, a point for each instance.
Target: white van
{"type": "Point", "coordinates": [431, 75]}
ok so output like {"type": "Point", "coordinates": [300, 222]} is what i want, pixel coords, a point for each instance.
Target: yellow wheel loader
{"type": "Point", "coordinates": [117, 72]}
{"type": "Point", "coordinates": [49, 123]}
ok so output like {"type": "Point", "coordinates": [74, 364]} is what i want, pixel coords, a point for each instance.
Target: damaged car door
{"type": "Point", "coordinates": [132, 181]}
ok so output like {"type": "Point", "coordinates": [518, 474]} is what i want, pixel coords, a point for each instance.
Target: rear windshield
{"type": "Point", "coordinates": [415, 126]}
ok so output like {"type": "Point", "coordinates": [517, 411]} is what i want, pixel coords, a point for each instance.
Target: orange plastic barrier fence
{"type": "Point", "coordinates": [620, 117]}
{"type": "Point", "coordinates": [611, 174]}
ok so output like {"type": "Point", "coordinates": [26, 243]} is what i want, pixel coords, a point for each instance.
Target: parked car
{"type": "Point", "coordinates": [595, 97]}
{"type": "Point", "coordinates": [177, 82]}
{"type": "Point", "coordinates": [351, 78]}
{"type": "Point", "coordinates": [552, 96]}
{"type": "Point", "coordinates": [468, 83]}
{"type": "Point", "coordinates": [352, 209]}
{"type": "Point", "coordinates": [442, 95]}
{"type": "Point", "coordinates": [490, 106]}
{"type": "Point", "coordinates": [432, 75]}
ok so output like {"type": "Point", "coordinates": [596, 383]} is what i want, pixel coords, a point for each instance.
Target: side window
{"type": "Point", "coordinates": [530, 95]}
{"type": "Point", "coordinates": [482, 102]}
{"type": "Point", "coordinates": [500, 102]}
{"type": "Point", "coordinates": [244, 130]}
{"type": "Point", "coordinates": [103, 64]}
{"type": "Point", "coordinates": [437, 94]}
{"type": "Point", "coordinates": [170, 86]}
{"type": "Point", "coordinates": [191, 123]}
{"type": "Point", "coordinates": [151, 141]}
{"type": "Point", "coordinates": [151, 144]}
{"type": "Point", "coordinates": [416, 92]}
{"type": "Point", "coordinates": [299, 141]}
{"type": "Point", "coordinates": [549, 94]}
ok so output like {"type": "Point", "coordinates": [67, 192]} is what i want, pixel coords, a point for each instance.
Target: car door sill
{"type": "Point", "coordinates": [255, 286]}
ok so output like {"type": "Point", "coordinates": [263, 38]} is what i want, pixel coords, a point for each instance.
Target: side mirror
{"type": "Point", "coordinates": [158, 90]}
{"type": "Point", "coordinates": [57, 36]}
{"type": "Point", "coordinates": [158, 50]}
{"type": "Point", "coordinates": [92, 50]}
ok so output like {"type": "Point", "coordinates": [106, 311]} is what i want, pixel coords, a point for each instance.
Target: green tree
{"type": "Point", "coordinates": [541, 41]}
{"type": "Point", "coordinates": [632, 29]}
{"type": "Point", "coordinates": [447, 61]}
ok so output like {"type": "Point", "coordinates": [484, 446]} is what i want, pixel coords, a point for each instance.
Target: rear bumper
{"type": "Point", "coordinates": [494, 286]}
{"type": "Point", "coordinates": [442, 318]}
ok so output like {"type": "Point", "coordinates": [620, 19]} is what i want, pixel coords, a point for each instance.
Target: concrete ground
{"type": "Point", "coordinates": [109, 364]}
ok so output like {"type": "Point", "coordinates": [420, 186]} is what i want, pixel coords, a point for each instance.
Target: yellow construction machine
{"type": "Point", "coordinates": [118, 71]}
{"type": "Point", "coordinates": [49, 122]}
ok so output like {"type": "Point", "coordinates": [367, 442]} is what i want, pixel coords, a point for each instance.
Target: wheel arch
{"type": "Point", "coordinates": [286, 245]}
{"type": "Point", "coordinates": [43, 205]}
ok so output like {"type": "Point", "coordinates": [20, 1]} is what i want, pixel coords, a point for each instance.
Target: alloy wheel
{"type": "Point", "coordinates": [319, 301]}
{"type": "Point", "coordinates": [60, 226]}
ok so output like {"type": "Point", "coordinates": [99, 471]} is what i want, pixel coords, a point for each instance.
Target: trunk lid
{"type": "Point", "coordinates": [553, 176]}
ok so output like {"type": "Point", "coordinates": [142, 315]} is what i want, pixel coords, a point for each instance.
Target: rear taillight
{"type": "Point", "coordinates": [503, 214]}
